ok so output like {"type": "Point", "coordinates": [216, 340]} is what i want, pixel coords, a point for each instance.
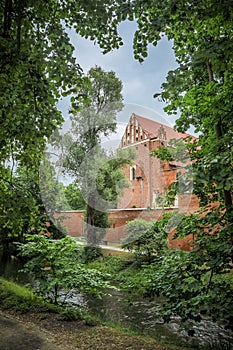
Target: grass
{"type": "Point", "coordinates": [22, 299]}
{"type": "Point", "coordinates": [106, 338]}
{"type": "Point", "coordinates": [8, 287]}
{"type": "Point", "coordinates": [111, 252]}
{"type": "Point", "coordinates": [90, 335]}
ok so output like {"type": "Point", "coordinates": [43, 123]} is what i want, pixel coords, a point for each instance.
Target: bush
{"type": "Point", "coordinates": [57, 267]}
{"type": "Point", "coordinates": [91, 253]}
{"type": "Point", "coordinates": [110, 264]}
{"type": "Point", "coordinates": [91, 320]}
{"type": "Point", "coordinates": [146, 239]}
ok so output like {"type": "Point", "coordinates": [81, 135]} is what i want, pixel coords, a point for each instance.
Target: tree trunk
{"type": "Point", "coordinates": [90, 220]}
{"type": "Point", "coordinates": [7, 18]}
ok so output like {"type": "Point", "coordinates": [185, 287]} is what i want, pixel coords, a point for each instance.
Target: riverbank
{"type": "Point", "coordinates": [27, 322]}
{"type": "Point", "coordinates": [48, 332]}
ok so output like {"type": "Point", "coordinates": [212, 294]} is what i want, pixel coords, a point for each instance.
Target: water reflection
{"type": "Point", "coordinates": [139, 315]}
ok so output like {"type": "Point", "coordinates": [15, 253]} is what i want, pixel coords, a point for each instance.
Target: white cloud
{"type": "Point", "coordinates": [140, 81]}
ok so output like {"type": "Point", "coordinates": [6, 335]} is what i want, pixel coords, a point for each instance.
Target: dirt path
{"type": "Point", "coordinates": [33, 332]}
{"type": "Point", "coordinates": [16, 335]}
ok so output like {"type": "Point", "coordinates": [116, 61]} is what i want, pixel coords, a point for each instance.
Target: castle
{"type": "Point", "coordinates": [149, 179]}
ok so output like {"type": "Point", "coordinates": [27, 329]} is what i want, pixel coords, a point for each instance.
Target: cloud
{"type": "Point", "coordinates": [140, 81]}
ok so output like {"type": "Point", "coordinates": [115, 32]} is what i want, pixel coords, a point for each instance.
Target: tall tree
{"type": "Point", "coordinates": [201, 87]}
{"type": "Point", "coordinates": [96, 173]}
{"type": "Point", "coordinates": [74, 196]}
{"type": "Point", "coordinates": [37, 65]}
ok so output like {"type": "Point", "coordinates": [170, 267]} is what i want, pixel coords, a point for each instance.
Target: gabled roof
{"type": "Point", "coordinates": [140, 129]}
{"type": "Point", "coordinates": [155, 129]}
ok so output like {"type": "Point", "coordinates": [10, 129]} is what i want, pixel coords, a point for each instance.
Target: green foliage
{"type": "Point", "coordinates": [102, 91]}
{"type": "Point", "coordinates": [91, 320]}
{"type": "Point", "coordinates": [182, 151]}
{"type": "Point", "coordinates": [14, 220]}
{"type": "Point", "coordinates": [98, 175]}
{"type": "Point", "coordinates": [57, 266]}
{"type": "Point", "coordinates": [52, 192]}
{"type": "Point", "coordinates": [111, 265]}
{"type": "Point", "coordinates": [136, 230]}
{"type": "Point", "coordinates": [19, 298]}
{"type": "Point", "coordinates": [22, 209]}
{"type": "Point", "coordinates": [91, 253]}
{"type": "Point", "coordinates": [38, 66]}
{"type": "Point", "coordinates": [70, 314]}
{"type": "Point", "coordinates": [148, 239]}
{"type": "Point", "coordinates": [195, 284]}
{"type": "Point", "coordinates": [191, 290]}
{"type": "Point", "coordinates": [111, 180]}
{"type": "Point", "coordinates": [74, 197]}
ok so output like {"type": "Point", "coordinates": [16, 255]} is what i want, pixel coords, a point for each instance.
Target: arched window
{"type": "Point", "coordinates": [132, 175]}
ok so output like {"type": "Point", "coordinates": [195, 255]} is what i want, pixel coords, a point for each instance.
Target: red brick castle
{"type": "Point", "coordinates": [149, 177]}
{"type": "Point", "coordinates": [149, 180]}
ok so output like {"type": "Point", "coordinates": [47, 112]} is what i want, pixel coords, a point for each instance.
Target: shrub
{"type": "Point", "coordinates": [57, 265]}
{"type": "Point", "coordinates": [91, 253]}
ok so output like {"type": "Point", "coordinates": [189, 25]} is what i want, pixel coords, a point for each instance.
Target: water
{"type": "Point", "coordinates": [143, 316]}
{"type": "Point", "coordinates": [140, 315]}
{"type": "Point", "coordinates": [9, 267]}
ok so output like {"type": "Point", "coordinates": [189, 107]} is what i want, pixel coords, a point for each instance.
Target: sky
{"type": "Point", "coordinates": [140, 80]}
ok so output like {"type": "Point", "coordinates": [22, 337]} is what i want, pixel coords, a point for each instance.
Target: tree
{"type": "Point", "coordinates": [83, 158]}
{"type": "Point", "coordinates": [56, 265]}
{"type": "Point", "coordinates": [200, 89]}
{"type": "Point", "coordinates": [37, 68]}
{"type": "Point", "coordinates": [74, 196]}
{"type": "Point", "coordinates": [23, 204]}
{"type": "Point", "coordinates": [15, 220]}
{"type": "Point", "coordinates": [149, 239]}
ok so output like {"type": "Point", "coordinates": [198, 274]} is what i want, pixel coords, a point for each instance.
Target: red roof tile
{"type": "Point", "coordinates": [153, 129]}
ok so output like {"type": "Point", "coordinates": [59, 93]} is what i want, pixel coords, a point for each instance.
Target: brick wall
{"type": "Point", "coordinates": [72, 221]}
{"type": "Point", "coordinates": [153, 177]}
{"type": "Point", "coordinates": [119, 217]}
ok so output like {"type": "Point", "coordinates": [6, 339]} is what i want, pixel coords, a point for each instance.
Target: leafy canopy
{"type": "Point", "coordinates": [37, 68]}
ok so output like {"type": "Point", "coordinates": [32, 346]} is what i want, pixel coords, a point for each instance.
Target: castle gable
{"type": "Point", "coordinates": [140, 129]}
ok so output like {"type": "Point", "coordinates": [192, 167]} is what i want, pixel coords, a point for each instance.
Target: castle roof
{"type": "Point", "coordinates": [140, 129]}
{"type": "Point", "coordinates": [155, 129]}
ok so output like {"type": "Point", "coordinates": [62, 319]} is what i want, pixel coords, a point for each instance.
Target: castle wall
{"type": "Point", "coordinates": [149, 178]}
{"type": "Point", "coordinates": [152, 177]}
{"type": "Point", "coordinates": [74, 221]}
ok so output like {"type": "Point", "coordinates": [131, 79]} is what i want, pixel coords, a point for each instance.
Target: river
{"type": "Point", "coordinates": [140, 315]}
{"type": "Point", "coordinates": [143, 316]}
